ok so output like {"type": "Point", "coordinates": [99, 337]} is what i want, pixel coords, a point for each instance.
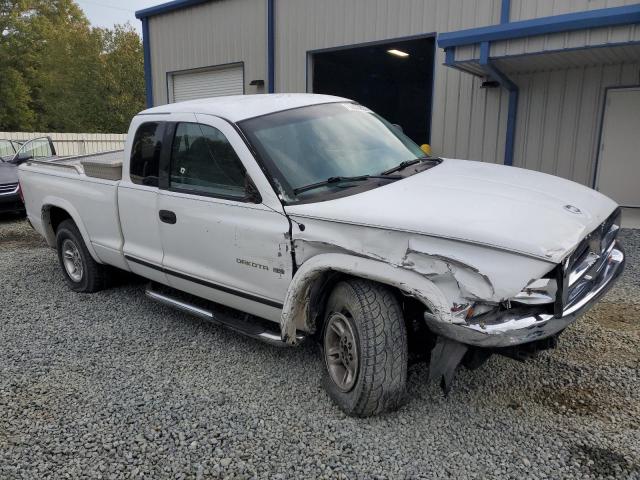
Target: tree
{"type": "Point", "coordinates": [122, 79]}
{"type": "Point", "coordinates": [15, 92]}
{"type": "Point", "coordinates": [59, 74]}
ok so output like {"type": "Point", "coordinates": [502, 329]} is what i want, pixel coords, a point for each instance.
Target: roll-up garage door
{"type": "Point", "coordinates": [207, 83]}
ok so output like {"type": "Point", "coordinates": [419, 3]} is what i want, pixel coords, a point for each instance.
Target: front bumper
{"type": "Point", "coordinates": [513, 328]}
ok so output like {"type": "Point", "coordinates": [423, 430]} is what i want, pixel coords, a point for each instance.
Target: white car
{"type": "Point", "coordinates": [293, 216]}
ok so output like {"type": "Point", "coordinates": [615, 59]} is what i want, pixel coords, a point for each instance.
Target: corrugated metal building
{"type": "Point", "coordinates": [551, 85]}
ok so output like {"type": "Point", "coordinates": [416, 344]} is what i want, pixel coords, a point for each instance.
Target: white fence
{"type": "Point", "coordinates": [74, 143]}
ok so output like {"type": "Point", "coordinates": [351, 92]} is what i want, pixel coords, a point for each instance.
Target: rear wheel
{"type": "Point", "coordinates": [364, 344]}
{"type": "Point", "coordinates": [81, 272]}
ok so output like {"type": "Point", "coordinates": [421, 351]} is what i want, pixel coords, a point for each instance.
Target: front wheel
{"type": "Point", "coordinates": [364, 344]}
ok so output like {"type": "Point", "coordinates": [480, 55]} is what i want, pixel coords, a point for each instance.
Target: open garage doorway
{"type": "Point", "coordinates": [393, 78]}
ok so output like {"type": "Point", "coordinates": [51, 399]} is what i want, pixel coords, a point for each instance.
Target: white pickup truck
{"type": "Point", "coordinates": [293, 216]}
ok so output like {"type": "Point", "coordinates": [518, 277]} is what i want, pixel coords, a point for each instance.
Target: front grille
{"type": "Point", "coordinates": [8, 188]}
{"type": "Point", "coordinates": [588, 259]}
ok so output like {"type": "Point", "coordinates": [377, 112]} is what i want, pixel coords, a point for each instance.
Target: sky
{"type": "Point", "coordinates": [106, 13]}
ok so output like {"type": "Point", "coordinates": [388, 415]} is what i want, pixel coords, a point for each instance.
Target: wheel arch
{"type": "Point", "coordinates": [313, 280]}
{"type": "Point", "coordinates": [57, 210]}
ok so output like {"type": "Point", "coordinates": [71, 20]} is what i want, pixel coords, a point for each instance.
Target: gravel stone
{"type": "Point", "coordinates": [112, 385]}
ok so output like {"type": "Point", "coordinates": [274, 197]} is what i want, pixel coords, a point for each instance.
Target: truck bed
{"type": "Point", "coordinates": [86, 186]}
{"type": "Point", "coordinates": [104, 165]}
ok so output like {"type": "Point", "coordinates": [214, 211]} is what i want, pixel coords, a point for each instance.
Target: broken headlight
{"type": "Point", "coordinates": [538, 292]}
{"type": "Point", "coordinates": [469, 310]}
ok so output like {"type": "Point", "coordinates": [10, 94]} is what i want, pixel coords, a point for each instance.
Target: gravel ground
{"type": "Point", "coordinates": [112, 385]}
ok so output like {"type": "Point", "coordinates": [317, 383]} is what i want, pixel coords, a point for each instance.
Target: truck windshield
{"type": "Point", "coordinates": [308, 145]}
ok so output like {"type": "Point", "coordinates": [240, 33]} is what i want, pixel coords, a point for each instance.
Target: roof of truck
{"type": "Point", "coordinates": [241, 107]}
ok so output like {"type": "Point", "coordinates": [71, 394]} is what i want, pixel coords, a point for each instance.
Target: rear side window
{"type": "Point", "coordinates": [204, 162]}
{"type": "Point", "coordinates": [145, 154]}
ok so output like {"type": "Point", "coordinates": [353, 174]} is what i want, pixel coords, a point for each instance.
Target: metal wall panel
{"type": "Point", "coordinates": [527, 9]}
{"type": "Point", "coordinates": [559, 118]}
{"type": "Point", "coordinates": [568, 40]}
{"type": "Point", "coordinates": [562, 59]}
{"type": "Point", "coordinates": [305, 25]}
{"type": "Point", "coordinates": [206, 83]}
{"type": "Point", "coordinates": [215, 33]}
{"type": "Point", "coordinates": [559, 110]}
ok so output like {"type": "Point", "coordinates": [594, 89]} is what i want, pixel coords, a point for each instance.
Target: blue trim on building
{"type": "Point", "coordinates": [484, 53]}
{"type": "Point", "coordinates": [148, 81]}
{"type": "Point", "coordinates": [271, 47]}
{"type": "Point", "coordinates": [512, 117]}
{"type": "Point", "coordinates": [514, 94]}
{"type": "Point", "coordinates": [505, 11]}
{"type": "Point", "coordinates": [506, 30]}
{"type": "Point", "coordinates": [167, 7]}
{"type": "Point", "coordinates": [604, 17]}
{"type": "Point", "coordinates": [449, 56]}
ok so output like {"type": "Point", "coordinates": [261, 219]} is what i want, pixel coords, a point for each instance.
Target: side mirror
{"type": "Point", "coordinates": [399, 127]}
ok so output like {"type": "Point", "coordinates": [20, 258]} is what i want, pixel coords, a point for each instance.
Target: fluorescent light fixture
{"type": "Point", "coordinates": [397, 53]}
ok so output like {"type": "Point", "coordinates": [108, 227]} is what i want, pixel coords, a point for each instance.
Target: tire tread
{"type": "Point", "coordinates": [383, 351]}
{"type": "Point", "coordinates": [97, 276]}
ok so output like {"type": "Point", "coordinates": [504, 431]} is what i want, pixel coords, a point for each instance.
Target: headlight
{"type": "Point", "coordinates": [538, 292]}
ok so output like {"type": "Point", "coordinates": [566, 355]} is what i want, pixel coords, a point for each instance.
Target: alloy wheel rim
{"type": "Point", "coordinates": [341, 351]}
{"type": "Point", "coordinates": [72, 260]}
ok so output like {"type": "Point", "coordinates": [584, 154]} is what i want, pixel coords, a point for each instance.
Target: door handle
{"type": "Point", "coordinates": [167, 216]}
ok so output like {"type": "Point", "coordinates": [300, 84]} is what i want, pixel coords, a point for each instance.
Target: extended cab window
{"type": "Point", "coordinates": [145, 154]}
{"type": "Point", "coordinates": [204, 162]}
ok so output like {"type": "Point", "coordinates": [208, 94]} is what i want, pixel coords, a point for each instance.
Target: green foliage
{"type": "Point", "coordinates": [58, 74]}
{"type": "Point", "coordinates": [15, 114]}
{"type": "Point", "coordinates": [123, 77]}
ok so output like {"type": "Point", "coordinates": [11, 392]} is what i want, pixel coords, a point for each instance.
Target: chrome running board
{"type": "Point", "coordinates": [245, 327]}
{"type": "Point", "coordinates": [185, 307]}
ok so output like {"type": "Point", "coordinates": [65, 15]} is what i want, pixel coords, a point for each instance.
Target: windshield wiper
{"type": "Point", "coordinates": [403, 165]}
{"type": "Point", "coordinates": [331, 180]}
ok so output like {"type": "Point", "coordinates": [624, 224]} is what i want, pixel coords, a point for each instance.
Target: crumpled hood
{"type": "Point", "coordinates": [506, 207]}
{"type": "Point", "coordinates": [8, 173]}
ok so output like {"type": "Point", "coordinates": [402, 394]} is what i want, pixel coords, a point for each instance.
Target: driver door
{"type": "Point", "coordinates": [219, 241]}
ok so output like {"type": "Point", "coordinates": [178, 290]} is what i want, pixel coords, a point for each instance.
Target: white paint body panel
{"type": "Point", "coordinates": [141, 232]}
{"type": "Point", "coordinates": [492, 205]}
{"type": "Point", "coordinates": [92, 203]}
{"type": "Point", "coordinates": [240, 107]}
{"type": "Point", "coordinates": [138, 206]}
{"type": "Point", "coordinates": [221, 233]}
{"type": "Point", "coordinates": [209, 239]}
{"type": "Point", "coordinates": [459, 232]}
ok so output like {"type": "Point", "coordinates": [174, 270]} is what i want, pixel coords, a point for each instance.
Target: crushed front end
{"type": "Point", "coordinates": [543, 309]}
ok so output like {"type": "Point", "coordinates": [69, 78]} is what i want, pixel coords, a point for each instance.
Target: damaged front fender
{"type": "Point", "coordinates": [296, 303]}
{"type": "Point", "coordinates": [447, 276]}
